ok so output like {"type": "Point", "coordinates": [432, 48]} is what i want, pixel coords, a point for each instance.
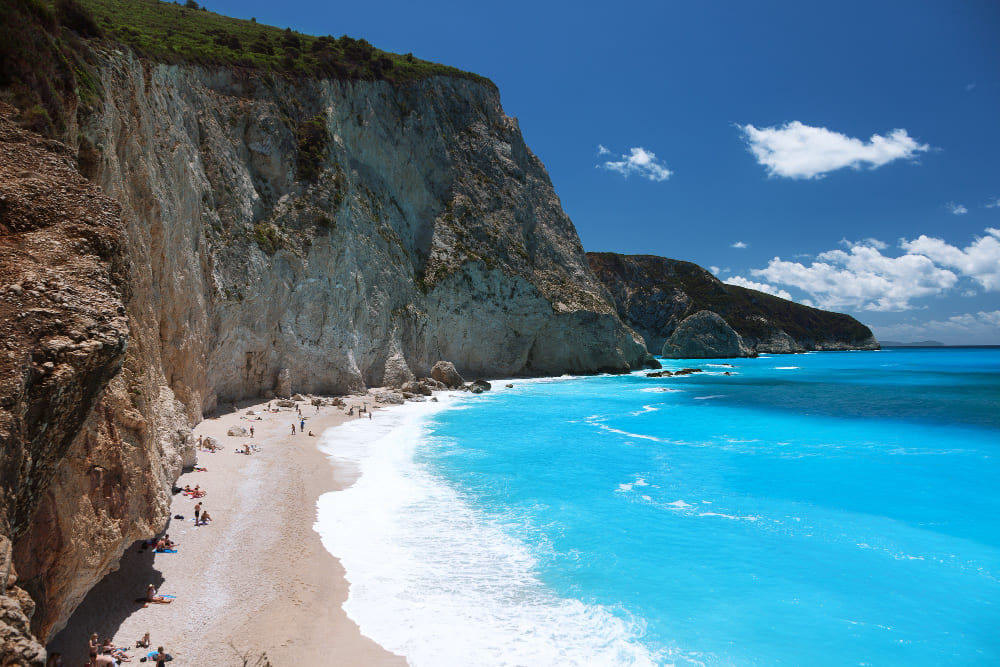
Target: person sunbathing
{"type": "Point", "coordinates": [187, 488]}
{"type": "Point", "coordinates": [205, 518]}
{"type": "Point", "coordinates": [144, 642]}
{"type": "Point", "coordinates": [151, 596]}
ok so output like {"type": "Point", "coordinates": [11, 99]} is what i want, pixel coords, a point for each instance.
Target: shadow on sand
{"type": "Point", "coordinates": [108, 604]}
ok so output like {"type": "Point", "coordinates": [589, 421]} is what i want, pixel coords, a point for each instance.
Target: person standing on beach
{"type": "Point", "coordinates": [302, 424]}
{"type": "Point", "coordinates": [197, 511]}
{"type": "Point", "coordinates": [251, 431]}
{"type": "Point", "coordinates": [293, 429]}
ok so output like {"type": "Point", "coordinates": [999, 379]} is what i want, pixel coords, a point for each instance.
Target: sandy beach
{"type": "Point", "coordinates": [257, 579]}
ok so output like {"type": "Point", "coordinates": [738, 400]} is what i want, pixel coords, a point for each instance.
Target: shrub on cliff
{"type": "Point", "coordinates": [313, 145]}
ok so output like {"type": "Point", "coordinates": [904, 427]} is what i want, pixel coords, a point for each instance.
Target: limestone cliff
{"type": "Point", "coordinates": [654, 295]}
{"type": "Point", "coordinates": [251, 232]}
{"type": "Point", "coordinates": [426, 230]}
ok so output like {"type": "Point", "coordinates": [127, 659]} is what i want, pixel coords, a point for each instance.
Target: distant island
{"type": "Point", "coordinates": [919, 343]}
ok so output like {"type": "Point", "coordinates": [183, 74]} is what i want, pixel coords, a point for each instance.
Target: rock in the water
{"type": "Point", "coordinates": [705, 335]}
{"type": "Point", "coordinates": [237, 431]}
{"type": "Point", "coordinates": [479, 386]}
{"type": "Point", "coordinates": [445, 373]}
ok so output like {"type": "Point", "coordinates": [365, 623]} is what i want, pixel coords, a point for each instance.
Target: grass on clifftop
{"type": "Point", "coordinates": [175, 32]}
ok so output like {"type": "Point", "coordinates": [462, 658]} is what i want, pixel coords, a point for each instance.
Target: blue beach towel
{"type": "Point", "coordinates": [167, 551]}
{"type": "Point", "coordinates": [152, 654]}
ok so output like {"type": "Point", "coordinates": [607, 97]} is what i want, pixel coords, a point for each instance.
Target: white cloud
{"type": "Point", "coordinates": [642, 162]}
{"type": "Point", "coordinates": [982, 328]}
{"type": "Point", "coordinates": [602, 150]}
{"type": "Point", "coordinates": [979, 261]}
{"type": "Point", "coordinates": [864, 278]}
{"type": "Point", "coordinates": [714, 270]}
{"type": "Point", "coordinates": [796, 150]}
{"type": "Point", "coordinates": [869, 242]}
{"type": "Point", "coordinates": [760, 287]}
{"type": "Point", "coordinates": [969, 87]}
{"type": "Point", "coordinates": [956, 209]}
{"type": "Point", "coordinates": [993, 203]}
{"type": "Point", "coordinates": [739, 244]}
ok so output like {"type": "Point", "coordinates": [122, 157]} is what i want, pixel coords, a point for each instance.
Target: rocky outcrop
{"type": "Point", "coordinates": [654, 295]}
{"type": "Point", "coordinates": [89, 442]}
{"type": "Point", "coordinates": [705, 335]}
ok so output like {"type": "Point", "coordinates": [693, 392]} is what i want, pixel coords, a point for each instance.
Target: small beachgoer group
{"type": "Point", "coordinates": [104, 653]}
{"type": "Point", "coordinates": [201, 518]}
{"type": "Point", "coordinates": [196, 492]}
{"type": "Point", "coordinates": [207, 444]}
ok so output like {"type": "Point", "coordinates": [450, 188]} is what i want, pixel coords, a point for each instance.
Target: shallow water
{"type": "Point", "coordinates": [825, 509]}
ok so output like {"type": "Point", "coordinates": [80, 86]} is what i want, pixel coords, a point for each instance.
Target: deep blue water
{"type": "Point", "coordinates": [821, 509]}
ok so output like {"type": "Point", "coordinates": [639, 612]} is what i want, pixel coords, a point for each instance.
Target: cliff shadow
{"type": "Point", "coordinates": [108, 604]}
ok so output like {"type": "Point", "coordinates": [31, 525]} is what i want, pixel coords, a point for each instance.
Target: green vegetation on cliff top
{"type": "Point", "coordinates": [174, 32]}
{"type": "Point", "coordinates": [46, 59]}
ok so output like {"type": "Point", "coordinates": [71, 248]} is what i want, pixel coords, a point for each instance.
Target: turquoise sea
{"type": "Point", "coordinates": [816, 509]}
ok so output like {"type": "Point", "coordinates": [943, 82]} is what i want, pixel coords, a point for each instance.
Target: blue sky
{"type": "Point", "coordinates": [844, 154]}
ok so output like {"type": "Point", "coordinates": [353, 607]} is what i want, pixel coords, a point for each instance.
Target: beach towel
{"type": "Point", "coordinates": [167, 551]}
{"type": "Point", "coordinates": [152, 655]}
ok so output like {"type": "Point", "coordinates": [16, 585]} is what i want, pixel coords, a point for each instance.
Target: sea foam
{"type": "Point", "coordinates": [434, 579]}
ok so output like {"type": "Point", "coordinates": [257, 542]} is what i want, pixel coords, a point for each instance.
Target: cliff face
{"type": "Point", "coordinates": [84, 471]}
{"type": "Point", "coordinates": [340, 234]}
{"type": "Point", "coordinates": [330, 228]}
{"type": "Point", "coordinates": [655, 295]}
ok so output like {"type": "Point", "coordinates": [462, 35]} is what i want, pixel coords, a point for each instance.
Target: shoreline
{"type": "Point", "coordinates": [257, 579]}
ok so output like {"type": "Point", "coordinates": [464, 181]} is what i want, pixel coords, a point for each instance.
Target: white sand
{"type": "Point", "coordinates": [258, 578]}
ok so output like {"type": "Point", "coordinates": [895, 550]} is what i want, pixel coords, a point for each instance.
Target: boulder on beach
{"type": "Point", "coordinates": [445, 373]}
{"type": "Point", "coordinates": [236, 431]}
